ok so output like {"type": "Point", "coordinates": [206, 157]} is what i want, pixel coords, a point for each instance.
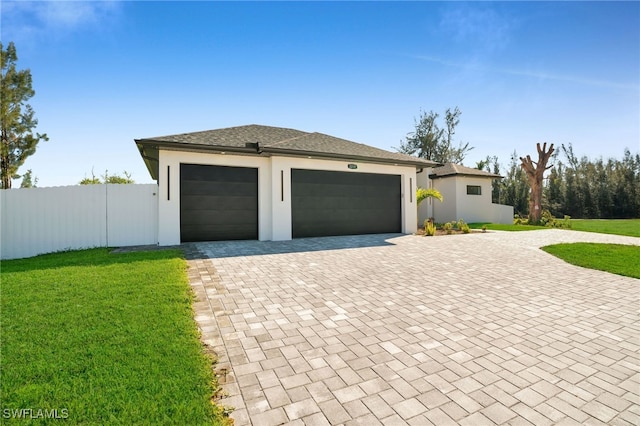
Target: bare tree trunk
{"type": "Point", "coordinates": [535, 173]}
{"type": "Point", "coordinates": [4, 159]}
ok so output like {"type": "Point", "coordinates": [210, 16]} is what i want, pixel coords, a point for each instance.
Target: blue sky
{"type": "Point", "coordinates": [521, 72]}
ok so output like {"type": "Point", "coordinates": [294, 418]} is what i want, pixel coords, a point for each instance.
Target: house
{"type": "Point", "coordinates": [466, 193]}
{"type": "Point", "coordinates": [271, 183]}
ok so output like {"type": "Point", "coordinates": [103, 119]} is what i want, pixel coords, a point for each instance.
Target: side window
{"type": "Point", "coordinates": [474, 190]}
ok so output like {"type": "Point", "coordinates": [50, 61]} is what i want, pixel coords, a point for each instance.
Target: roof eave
{"type": "Point", "coordinates": [336, 156]}
{"type": "Point", "coordinates": [149, 149]}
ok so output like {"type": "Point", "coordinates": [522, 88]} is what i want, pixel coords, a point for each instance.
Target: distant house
{"type": "Point", "coordinates": [466, 193]}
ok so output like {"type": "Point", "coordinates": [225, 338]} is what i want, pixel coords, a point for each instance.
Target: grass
{"type": "Point", "coordinates": [504, 227]}
{"type": "Point", "coordinates": [630, 227]}
{"type": "Point", "coordinates": [103, 339]}
{"type": "Point", "coordinates": [614, 258]}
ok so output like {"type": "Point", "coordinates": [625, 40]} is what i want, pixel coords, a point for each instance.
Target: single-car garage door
{"type": "Point", "coordinates": [218, 203]}
{"type": "Point", "coordinates": [341, 203]}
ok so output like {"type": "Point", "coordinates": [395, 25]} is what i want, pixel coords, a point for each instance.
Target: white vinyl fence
{"type": "Point", "coordinates": [43, 220]}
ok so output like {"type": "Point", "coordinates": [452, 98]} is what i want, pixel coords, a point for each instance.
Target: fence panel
{"type": "Point", "coordinates": [132, 215]}
{"type": "Point", "coordinates": [43, 220]}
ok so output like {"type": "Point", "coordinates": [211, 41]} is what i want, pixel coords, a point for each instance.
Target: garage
{"type": "Point", "coordinates": [218, 203]}
{"type": "Point", "coordinates": [326, 203]}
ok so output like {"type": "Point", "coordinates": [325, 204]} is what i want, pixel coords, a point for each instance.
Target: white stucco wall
{"type": "Point", "coordinates": [274, 189]}
{"type": "Point", "coordinates": [471, 208]}
{"type": "Point", "coordinates": [425, 210]}
{"type": "Point", "coordinates": [446, 210]}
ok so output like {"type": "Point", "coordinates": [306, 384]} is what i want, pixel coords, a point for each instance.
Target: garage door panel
{"type": "Point", "coordinates": [218, 203]}
{"type": "Point", "coordinates": [343, 203]}
{"type": "Point", "coordinates": [224, 218]}
{"type": "Point", "coordinates": [217, 233]}
{"type": "Point", "coordinates": [220, 188]}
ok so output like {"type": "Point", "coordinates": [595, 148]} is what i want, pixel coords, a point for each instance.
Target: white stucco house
{"type": "Point", "coordinates": [466, 194]}
{"type": "Point", "coordinates": [272, 183]}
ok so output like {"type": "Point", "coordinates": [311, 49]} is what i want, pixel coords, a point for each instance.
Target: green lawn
{"type": "Point", "coordinates": [103, 339]}
{"type": "Point", "coordinates": [629, 227]}
{"type": "Point", "coordinates": [614, 258]}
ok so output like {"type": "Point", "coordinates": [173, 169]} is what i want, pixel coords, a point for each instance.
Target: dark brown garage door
{"type": "Point", "coordinates": [341, 203]}
{"type": "Point", "coordinates": [218, 203]}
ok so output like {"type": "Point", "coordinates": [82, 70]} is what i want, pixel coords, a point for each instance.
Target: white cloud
{"type": "Point", "coordinates": [540, 75]}
{"type": "Point", "coordinates": [477, 26]}
{"type": "Point", "coordinates": [24, 20]}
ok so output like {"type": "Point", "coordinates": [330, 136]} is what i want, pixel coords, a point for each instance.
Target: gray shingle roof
{"type": "Point", "coordinates": [450, 169]}
{"type": "Point", "coordinates": [273, 141]}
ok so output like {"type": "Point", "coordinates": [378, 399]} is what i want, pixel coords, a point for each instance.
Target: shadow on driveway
{"type": "Point", "coordinates": [222, 249]}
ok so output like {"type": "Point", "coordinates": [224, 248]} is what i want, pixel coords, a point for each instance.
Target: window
{"type": "Point", "coordinates": [474, 190]}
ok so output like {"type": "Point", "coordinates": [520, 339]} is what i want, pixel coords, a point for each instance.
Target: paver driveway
{"type": "Point", "coordinates": [387, 329]}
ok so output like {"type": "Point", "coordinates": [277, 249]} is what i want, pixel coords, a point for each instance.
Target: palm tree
{"type": "Point", "coordinates": [422, 194]}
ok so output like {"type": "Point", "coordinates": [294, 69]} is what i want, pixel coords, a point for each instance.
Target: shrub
{"type": "Point", "coordinates": [429, 228]}
{"type": "Point", "coordinates": [484, 228]}
{"type": "Point", "coordinates": [548, 220]}
{"type": "Point", "coordinates": [448, 227]}
{"type": "Point", "coordinates": [517, 220]}
{"type": "Point", "coordinates": [462, 226]}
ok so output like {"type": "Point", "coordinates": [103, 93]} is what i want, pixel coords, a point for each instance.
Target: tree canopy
{"type": "Point", "coordinates": [107, 178]}
{"type": "Point", "coordinates": [18, 140]}
{"type": "Point", "coordinates": [576, 186]}
{"type": "Point", "coordinates": [431, 141]}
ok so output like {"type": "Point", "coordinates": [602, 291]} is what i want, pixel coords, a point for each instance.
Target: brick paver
{"type": "Point", "coordinates": [391, 329]}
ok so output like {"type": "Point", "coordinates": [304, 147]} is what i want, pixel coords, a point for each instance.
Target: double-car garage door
{"type": "Point", "coordinates": [221, 203]}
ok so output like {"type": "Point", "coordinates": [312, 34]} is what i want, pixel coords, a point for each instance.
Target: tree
{"type": "Point", "coordinates": [422, 194]}
{"type": "Point", "coordinates": [515, 187]}
{"type": "Point", "coordinates": [434, 143]}
{"type": "Point", "coordinates": [535, 175]}
{"type": "Point", "coordinates": [28, 181]}
{"type": "Point", "coordinates": [18, 140]}
{"type": "Point", "coordinates": [106, 178]}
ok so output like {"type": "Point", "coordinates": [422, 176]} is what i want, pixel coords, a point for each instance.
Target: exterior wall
{"type": "Point", "coordinates": [502, 214]}
{"type": "Point", "coordinates": [274, 189]}
{"type": "Point", "coordinates": [43, 220]}
{"type": "Point", "coordinates": [425, 210]}
{"type": "Point", "coordinates": [446, 210]}
{"type": "Point", "coordinates": [471, 208]}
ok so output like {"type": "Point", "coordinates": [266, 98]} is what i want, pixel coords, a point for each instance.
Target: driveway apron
{"type": "Point", "coordinates": [480, 329]}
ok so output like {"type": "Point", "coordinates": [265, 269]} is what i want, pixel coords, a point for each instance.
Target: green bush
{"type": "Point", "coordinates": [548, 220]}
{"type": "Point", "coordinates": [429, 228]}
{"type": "Point", "coordinates": [517, 220]}
{"type": "Point", "coordinates": [462, 226]}
{"type": "Point", "coordinates": [448, 227]}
